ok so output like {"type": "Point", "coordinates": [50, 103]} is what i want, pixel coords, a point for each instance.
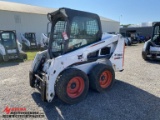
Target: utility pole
{"type": "Point", "coordinates": [120, 19]}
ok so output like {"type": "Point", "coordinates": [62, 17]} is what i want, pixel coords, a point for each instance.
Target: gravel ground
{"type": "Point", "coordinates": [135, 95]}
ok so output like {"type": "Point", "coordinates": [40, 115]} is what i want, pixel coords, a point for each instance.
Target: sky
{"type": "Point", "coordinates": [125, 11]}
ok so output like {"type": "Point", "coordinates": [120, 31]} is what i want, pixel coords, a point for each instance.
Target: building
{"type": "Point", "coordinates": [144, 30]}
{"type": "Point", "coordinates": [109, 25]}
{"type": "Point", "coordinates": [26, 18]}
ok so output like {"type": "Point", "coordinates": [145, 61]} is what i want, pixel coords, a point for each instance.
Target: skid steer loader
{"type": "Point", "coordinates": [29, 41]}
{"type": "Point", "coordinates": [79, 56]}
{"type": "Point", "coordinates": [10, 48]}
{"type": "Point", "coordinates": [151, 49]}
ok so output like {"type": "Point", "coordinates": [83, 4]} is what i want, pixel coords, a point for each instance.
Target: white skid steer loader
{"type": "Point", "coordinates": [10, 47]}
{"type": "Point", "coordinates": [151, 49]}
{"type": "Point", "coordinates": [29, 41]}
{"type": "Point", "coordinates": [78, 57]}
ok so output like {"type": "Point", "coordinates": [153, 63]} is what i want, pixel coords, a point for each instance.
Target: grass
{"type": "Point", "coordinates": [31, 54]}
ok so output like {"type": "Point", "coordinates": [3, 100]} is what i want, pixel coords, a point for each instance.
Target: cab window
{"type": "Point", "coordinates": [83, 32]}
{"type": "Point", "coordinates": [8, 39]}
{"type": "Point", "coordinates": [57, 44]}
{"type": "Point", "coordinates": [156, 33]}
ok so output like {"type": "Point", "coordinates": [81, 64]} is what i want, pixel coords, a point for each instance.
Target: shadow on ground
{"type": "Point", "coordinates": [122, 102]}
{"type": "Point", "coordinates": [153, 61]}
{"type": "Point", "coordinates": [10, 63]}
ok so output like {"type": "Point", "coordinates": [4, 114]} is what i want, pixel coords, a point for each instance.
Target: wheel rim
{"type": "Point", "coordinates": [75, 87]}
{"type": "Point", "coordinates": [105, 79]}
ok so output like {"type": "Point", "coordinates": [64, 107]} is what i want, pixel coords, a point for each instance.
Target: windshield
{"type": "Point", "coordinates": [58, 30]}
{"type": "Point", "coordinates": [83, 31]}
{"type": "Point", "coordinates": [8, 39]}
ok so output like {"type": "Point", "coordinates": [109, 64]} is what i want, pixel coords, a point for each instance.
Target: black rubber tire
{"type": "Point", "coordinates": [146, 51]}
{"type": "Point", "coordinates": [62, 82]}
{"type": "Point", "coordinates": [1, 58]}
{"type": "Point", "coordinates": [31, 83]}
{"type": "Point", "coordinates": [129, 43]}
{"type": "Point", "coordinates": [94, 77]}
{"type": "Point", "coordinates": [144, 56]}
{"type": "Point", "coordinates": [31, 79]}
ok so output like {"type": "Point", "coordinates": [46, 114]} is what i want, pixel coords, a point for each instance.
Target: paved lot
{"type": "Point", "coordinates": [135, 95]}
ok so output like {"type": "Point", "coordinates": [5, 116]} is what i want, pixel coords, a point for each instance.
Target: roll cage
{"type": "Point", "coordinates": [30, 36]}
{"type": "Point", "coordinates": [71, 30]}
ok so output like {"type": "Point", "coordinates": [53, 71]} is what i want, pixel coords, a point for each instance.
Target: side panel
{"type": "Point", "coordinates": [117, 57]}
{"type": "Point", "coordinates": [86, 68]}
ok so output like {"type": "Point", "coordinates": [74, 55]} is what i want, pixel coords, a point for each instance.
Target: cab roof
{"type": "Point", "coordinates": [70, 13]}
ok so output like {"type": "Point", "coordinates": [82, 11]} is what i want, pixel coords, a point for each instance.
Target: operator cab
{"type": "Point", "coordinates": [31, 37]}
{"type": "Point", "coordinates": [8, 40]}
{"type": "Point", "coordinates": [151, 48]}
{"type": "Point", "coordinates": [72, 30]}
{"type": "Point", "coordinates": [132, 34]}
{"type": "Point", "coordinates": [156, 34]}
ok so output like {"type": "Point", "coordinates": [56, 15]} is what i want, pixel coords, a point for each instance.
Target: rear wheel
{"type": "Point", "coordinates": [72, 86]}
{"type": "Point", "coordinates": [101, 77]}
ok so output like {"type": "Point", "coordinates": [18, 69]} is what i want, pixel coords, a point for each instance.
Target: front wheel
{"type": "Point", "coordinates": [72, 86]}
{"type": "Point", "coordinates": [101, 77]}
{"type": "Point", "coordinates": [144, 55]}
